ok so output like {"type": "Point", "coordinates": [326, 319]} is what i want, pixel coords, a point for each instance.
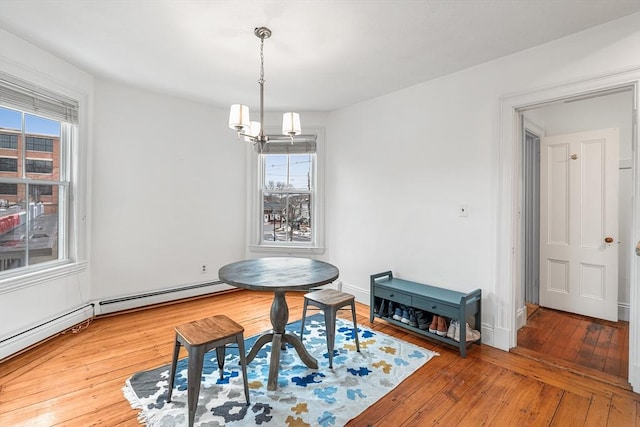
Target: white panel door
{"type": "Point", "coordinates": [579, 223]}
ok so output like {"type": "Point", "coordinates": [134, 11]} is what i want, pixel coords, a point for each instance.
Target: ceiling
{"type": "Point", "coordinates": [323, 54]}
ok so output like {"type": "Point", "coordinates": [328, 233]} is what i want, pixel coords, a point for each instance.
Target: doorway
{"type": "Point", "coordinates": [605, 109]}
{"type": "Point", "coordinates": [613, 109]}
{"type": "Point", "coordinates": [510, 312]}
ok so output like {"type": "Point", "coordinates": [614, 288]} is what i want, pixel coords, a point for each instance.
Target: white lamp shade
{"type": "Point", "coordinates": [291, 124]}
{"type": "Point", "coordinates": [253, 131]}
{"type": "Point", "coordinates": [254, 128]}
{"type": "Point", "coordinates": [239, 117]}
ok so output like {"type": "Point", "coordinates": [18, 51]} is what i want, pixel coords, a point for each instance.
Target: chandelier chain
{"type": "Point", "coordinates": [261, 81]}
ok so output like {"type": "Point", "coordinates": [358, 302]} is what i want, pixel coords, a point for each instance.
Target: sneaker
{"type": "Point", "coordinates": [471, 334]}
{"type": "Point", "coordinates": [433, 327]}
{"type": "Point", "coordinates": [405, 315]}
{"type": "Point", "coordinates": [390, 309]}
{"type": "Point", "coordinates": [397, 314]}
{"type": "Point", "coordinates": [454, 330]}
{"type": "Point", "coordinates": [382, 308]}
{"type": "Point", "coordinates": [421, 318]}
{"type": "Point", "coordinates": [442, 326]}
{"type": "Point", "coordinates": [412, 318]}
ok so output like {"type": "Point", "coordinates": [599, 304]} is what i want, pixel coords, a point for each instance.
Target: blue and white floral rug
{"type": "Point", "coordinates": [305, 397]}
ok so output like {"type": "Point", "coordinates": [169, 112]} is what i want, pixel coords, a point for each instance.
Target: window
{"type": "Point", "coordinates": [288, 195]}
{"type": "Point", "coordinates": [8, 164]}
{"type": "Point", "coordinates": [35, 191]}
{"type": "Point", "coordinates": [35, 143]}
{"type": "Point", "coordinates": [39, 166]}
{"type": "Point", "coordinates": [8, 189]}
{"type": "Point", "coordinates": [8, 141]}
{"type": "Point", "coordinates": [34, 202]}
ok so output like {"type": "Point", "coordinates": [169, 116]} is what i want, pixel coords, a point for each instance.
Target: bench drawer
{"type": "Point", "coordinates": [436, 307]}
{"type": "Point", "coordinates": [393, 295]}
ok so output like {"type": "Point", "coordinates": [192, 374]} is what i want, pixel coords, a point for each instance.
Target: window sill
{"type": "Point", "coordinates": [286, 250]}
{"type": "Point", "coordinates": [32, 278]}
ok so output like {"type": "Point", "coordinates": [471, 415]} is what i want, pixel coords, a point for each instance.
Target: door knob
{"type": "Point", "coordinates": [638, 249]}
{"type": "Point", "coordinates": [608, 240]}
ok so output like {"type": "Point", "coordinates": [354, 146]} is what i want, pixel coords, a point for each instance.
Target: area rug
{"type": "Point", "coordinates": [305, 397]}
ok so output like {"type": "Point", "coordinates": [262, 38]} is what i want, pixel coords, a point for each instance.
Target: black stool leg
{"type": "Point", "coordinates": [330, 330]}
{"type": "Point", "coordinates": [172, 372]}
{"type": "Point", "coordinates": [243, 362]}
{"type": "Point", "coordinates": [220, 360]}
{"type": "Point", "coordinates": [304, 316]}
{"type": "Point", "coordinates": [196, 358]}
{"type": "Point", "coordinates": [355, 325]}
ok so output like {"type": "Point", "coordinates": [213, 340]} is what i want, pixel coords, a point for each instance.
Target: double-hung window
{"type": "Point", "coordinates": [288, 196]}
{"type": "Point", "coordinates": [37, 130]}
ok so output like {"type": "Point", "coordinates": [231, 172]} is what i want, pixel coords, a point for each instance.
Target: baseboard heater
{"type": "Point", "coordinates": [155, 297]}
{"type": "Point", "coordinates": [22, 340]}
{"type": "Point", "coordinates": [15, 343]}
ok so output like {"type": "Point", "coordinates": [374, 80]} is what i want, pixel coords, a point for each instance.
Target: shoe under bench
{"type": "Point", "coordinates": [464, 307]}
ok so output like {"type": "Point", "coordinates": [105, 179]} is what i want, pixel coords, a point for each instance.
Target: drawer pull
{"type": "Point", "coordinates": [391, 295]}
{"type": "Point", "coordinates": [433, 306]}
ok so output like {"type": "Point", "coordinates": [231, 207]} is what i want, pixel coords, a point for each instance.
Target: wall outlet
{"type": "Point", "coordinates": [204, 269]}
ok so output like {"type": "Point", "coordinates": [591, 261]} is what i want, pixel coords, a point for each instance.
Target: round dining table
{"type": "Point", "coordinates": [279, 275]}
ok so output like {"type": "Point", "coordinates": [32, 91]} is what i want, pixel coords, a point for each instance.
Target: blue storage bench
{"type": "Point", "coordinates": [467, 308]}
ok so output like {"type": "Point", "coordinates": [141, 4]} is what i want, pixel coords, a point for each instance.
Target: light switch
{"type": "Point", "coordinates": [463, 210]}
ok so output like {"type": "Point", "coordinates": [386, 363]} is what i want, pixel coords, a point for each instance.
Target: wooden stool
{"type": "Point", "coordinates": [330, 301]}
{"type": "Point", "coordinates": [198, 337]}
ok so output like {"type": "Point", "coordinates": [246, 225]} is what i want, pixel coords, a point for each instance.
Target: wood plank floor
{"type": "Point", "coordinates": [75, 379]}
{"type": "Point", "coordinates": [594, 346]}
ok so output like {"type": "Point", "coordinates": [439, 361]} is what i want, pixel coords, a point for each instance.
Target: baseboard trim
{"type": "Point", "coordinates": [521, 317]}
{"type": "Point", "coordinates": [363, 297]}
{"type": "Point", "coordinates": [634, 377]}
{"type": "Point", "coordinates": [624, 310]}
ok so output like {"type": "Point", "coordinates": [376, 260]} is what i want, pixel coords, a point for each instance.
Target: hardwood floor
{"type": "Point", "coordinates": [596, 347]}
{"type": "Point", "coordinates": [75, 379]}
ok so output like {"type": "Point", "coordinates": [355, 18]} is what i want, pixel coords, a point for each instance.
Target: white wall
{"type": "Point", "coordinates": [399, 166]}
{"type": "Point", "coordinates": [168, 191]}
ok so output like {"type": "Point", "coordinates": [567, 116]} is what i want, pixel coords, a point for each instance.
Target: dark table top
{"type": "Point", "coordinates": [278, 273]}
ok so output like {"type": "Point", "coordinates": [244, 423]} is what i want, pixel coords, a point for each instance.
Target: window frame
{"type": "Point", "coordinates": [256, 243]}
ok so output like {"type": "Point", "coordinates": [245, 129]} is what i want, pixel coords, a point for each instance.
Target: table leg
{"type": "Point", "coordinates": [272, 382]}
{"type": "Point", "coordinates": [279, 318]}
{"type": "Point", "coordinates": [308, 359]}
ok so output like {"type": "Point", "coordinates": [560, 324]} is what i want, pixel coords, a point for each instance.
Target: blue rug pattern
{"type": "Point", "coordinates": [305, 397]}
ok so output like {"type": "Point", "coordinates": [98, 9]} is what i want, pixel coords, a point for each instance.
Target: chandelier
{"type": "Point", "coordinates": [253, 131]}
